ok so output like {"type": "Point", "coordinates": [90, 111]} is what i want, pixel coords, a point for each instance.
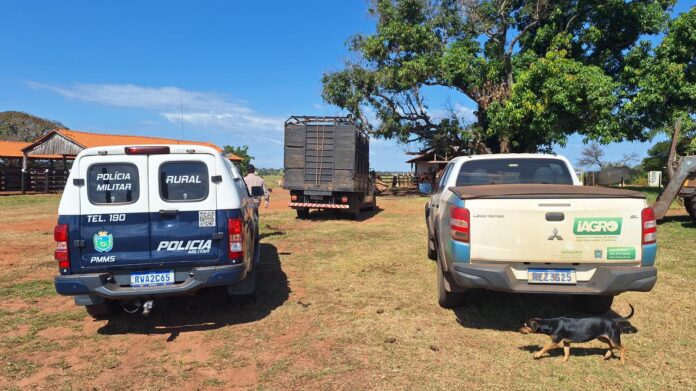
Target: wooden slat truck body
{"type": "Point", "coordinates": [327, 165]}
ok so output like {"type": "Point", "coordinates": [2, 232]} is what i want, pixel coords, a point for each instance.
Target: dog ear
{"type": "Point", "coordinates": [533, 324]}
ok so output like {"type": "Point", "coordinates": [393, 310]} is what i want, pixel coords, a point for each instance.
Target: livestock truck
{"type": "Point", "coordinates": [327, 165]}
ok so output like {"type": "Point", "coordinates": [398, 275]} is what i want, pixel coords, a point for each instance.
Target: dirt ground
{"type": "Point", "coordinates": [341, 304]}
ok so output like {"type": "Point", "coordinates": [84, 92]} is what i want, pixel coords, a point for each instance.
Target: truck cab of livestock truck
{"type": "Point", "coordinates": [327, 165]}
{"type": "Point", "coordinates": [138, 223]}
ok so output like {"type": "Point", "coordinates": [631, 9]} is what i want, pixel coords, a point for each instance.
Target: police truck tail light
{"type": "Point", "coordinates": [61, 255]}
{"type": "Point", "coordinates": [460, 227]}
{"type": "Point", "coordinates": [235, 233]}
{"type": "Point", "coordinates": [344, 199]}
{"type": "Point", "coordinates": [293, 197]}
{"type": "Point", "coordinates": [147, 150]}
{"type": "Point", "coordinates": [649, 226]}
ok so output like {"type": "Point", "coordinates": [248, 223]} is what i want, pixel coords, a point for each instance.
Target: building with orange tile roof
{"type": "Point", "coordinates": [66, 144]}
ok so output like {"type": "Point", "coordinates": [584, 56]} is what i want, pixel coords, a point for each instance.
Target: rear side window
{"type": "Point", "coordinates": [183, 181]}
{"type": "Point", "coordinates": [113, 183]}
{"type": "Point", "coordinates": [514, 171]}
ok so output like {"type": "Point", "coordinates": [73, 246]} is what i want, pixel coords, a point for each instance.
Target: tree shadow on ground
{"type": "Point", "coordinates": [685, 220]}
{"type": "Point", "coordinates": [508, 312]}
{"type": "Point", "coordinates": [211, 308]}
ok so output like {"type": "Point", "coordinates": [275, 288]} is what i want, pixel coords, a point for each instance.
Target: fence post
{"type": "Point", "coordinates": [23, 180]}
{"type": "Point", "coordinates": [46, 181]}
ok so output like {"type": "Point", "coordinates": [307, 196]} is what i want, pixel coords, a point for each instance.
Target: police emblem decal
{"type": "Point", "coordinates": [103, 241]}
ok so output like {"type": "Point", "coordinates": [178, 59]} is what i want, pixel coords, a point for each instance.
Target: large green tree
{"type": "Point", "coordinates": [537, 71]}
{"type": "Point", "coordinates": [242, 152]}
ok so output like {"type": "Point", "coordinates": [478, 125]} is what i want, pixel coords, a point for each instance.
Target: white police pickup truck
{"type": "Point", "coordinates": [140, 222]}
{"type": "Point", "coordinates": [524, 223]}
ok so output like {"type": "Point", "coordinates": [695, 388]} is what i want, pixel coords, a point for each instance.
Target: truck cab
{"type": "Point", "coordinates": [141, 222]}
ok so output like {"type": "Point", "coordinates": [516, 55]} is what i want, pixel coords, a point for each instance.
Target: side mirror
{"type": "Point", "coordinates": [425, 188]}
{"type": "Point", "coordinates": [257, 191]}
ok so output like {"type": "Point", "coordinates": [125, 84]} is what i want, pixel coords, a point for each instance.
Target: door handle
{"type": "Point", "coordinates": [168, 213]}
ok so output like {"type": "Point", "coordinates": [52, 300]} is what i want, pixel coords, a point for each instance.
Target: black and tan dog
{"type": "Point", "coordinates": [576, 330]}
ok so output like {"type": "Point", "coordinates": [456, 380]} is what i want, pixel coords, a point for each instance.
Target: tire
{"type": "Point", "coordinates": [444, 298]}
{"type": "Point", "coordinates": [302, 213]}
{"type": "Point", "coordinates": [102, 310]}
{"type": "Point", "coordinates": [690, 206]}
{"type": "Point", "coordinates": [596, 305]}
{"type": "Point", "coordinates": [244, 292]}
{"type": "Point", "coordinates": [432, 252]}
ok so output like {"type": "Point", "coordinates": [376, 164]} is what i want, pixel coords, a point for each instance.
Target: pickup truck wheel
{"type": "Point", "coordinates": [432, 252]}
{"type": "Point", "coordinates": [596, 305]}
{"type": "Point", "coordinates": [302, 213]}
{"type": "Point", "coordinates": [102, 310]}
{"type": "Point", "coordinates": [444, 298]}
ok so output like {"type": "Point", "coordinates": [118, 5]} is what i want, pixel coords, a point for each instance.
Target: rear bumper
{"type": "Point", "coordinates": [98, 284]}
{"type": "Point", "coordinates": [607, 280]}
{"type": "Point", "coordinates": [296, 205]}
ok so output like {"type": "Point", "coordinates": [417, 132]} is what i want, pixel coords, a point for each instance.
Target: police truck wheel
{"type": "Point", "coordinates": [101, 310]}
{"type": "Point", "coordinates": [302, 213]}
{"type": "Point", "coordinates": [444, 298]}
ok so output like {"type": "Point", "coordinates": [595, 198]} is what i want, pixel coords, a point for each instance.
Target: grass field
{"type": "Point", "coordinates": [342, 305]}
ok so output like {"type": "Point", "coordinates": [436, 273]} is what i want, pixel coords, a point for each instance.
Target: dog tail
{"type": "Point", "coordinates": [626, 317]}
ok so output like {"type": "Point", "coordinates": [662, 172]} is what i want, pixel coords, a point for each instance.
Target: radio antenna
{"type": "Point", "coordinates": [181, 99]}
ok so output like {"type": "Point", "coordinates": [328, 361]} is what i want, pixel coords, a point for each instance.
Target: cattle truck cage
{"type": "Point", "coordinates": [326, 153]}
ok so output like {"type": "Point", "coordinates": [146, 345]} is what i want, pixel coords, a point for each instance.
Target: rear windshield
{"type": "Point", "coordinates": [512, 171]}
{"type": "Point", "coordinates": [113, 183]}
{"type": "Point", "coordinates": [183, 181]}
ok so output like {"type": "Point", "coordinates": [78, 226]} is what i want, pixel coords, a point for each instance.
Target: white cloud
{"type": "Point", "coordinates": [462, 112]}
{"type": "Point", "coordinates": [204, 110]}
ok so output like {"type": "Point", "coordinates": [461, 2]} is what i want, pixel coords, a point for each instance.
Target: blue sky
{"type": "Point", "coordinates": [240, 69]}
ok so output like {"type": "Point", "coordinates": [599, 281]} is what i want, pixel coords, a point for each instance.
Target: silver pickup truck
{"type": "Point", "coordinates": [524, 223]}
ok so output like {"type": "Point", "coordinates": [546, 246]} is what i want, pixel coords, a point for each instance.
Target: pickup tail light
{"type": "Point", "coordinates": [62, 253]}
{"type": "Point", "coordinates": [235, 233]}
{"type": "Point", "coordinates": [460, 224]}
{"type": "Point", "coordinates": [649, 225]}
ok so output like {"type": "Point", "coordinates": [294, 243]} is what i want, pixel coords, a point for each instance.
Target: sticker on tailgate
{"type": "Point", "coordinates": [616, 253]}
{"type": "Point", "coordinates": [597, 226]}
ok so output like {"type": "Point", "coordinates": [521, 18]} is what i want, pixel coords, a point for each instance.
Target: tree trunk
{"type": "Point", "coordinates": [504, 144]}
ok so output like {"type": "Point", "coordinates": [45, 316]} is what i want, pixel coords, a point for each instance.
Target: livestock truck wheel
{"type": "Point", "coordinates": [445, 298]}
{"type": "Point", "coordinates": [102, 310]}
{"type": "Point", "coordinates": [690, 205]}
{"type": "Point", "coordinates": [302, 213]}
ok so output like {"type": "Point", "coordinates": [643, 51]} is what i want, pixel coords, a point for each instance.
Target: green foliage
{"type": "Point", "coordinates": [242, 152]}
{"type": "Point", "coordinates": [19, 126]}
{"type": "Point", "coordinates": [538, 71]}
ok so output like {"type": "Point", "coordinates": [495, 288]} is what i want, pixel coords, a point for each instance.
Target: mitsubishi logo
{"type": "Point", "coordinates": [555, 235]}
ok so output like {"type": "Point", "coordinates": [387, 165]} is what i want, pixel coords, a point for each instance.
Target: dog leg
{"type": "Point", "coordinates": [622, 350]}
{"type": "Point", "coordinates": [545, 349]}
{"type": "Point", "coordinates": [608, 354]}
{"type": "Point", "coordinates": [566, 351]}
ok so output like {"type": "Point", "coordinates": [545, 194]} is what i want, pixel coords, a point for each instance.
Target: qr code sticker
{"type": "Point", "coordinates": [206, 218]}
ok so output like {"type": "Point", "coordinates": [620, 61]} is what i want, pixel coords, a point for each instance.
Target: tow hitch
{"type": "Point", "coordinates": [137, 305]}
{"type": "Point", "coordinates": [147, 307]}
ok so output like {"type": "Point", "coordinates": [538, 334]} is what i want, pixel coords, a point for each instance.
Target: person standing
{"type": "Point", "coordinates": [253, 180]}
